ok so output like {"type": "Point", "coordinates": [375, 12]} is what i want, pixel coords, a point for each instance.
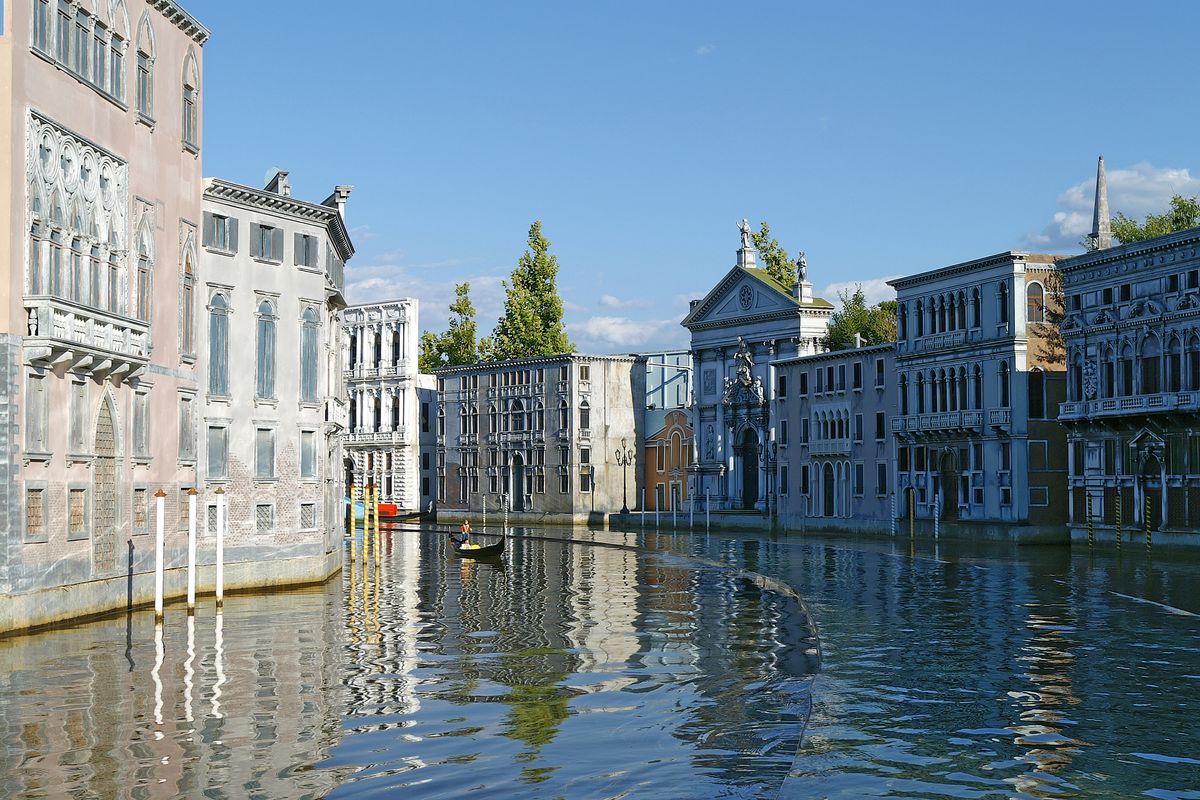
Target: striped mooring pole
{"type": "Point", "coordinates": [1091, 532]}
{"type": "Point", "coordinates": [1146, 519]}
{"type": "Point", "coordinates": [1118, 500]}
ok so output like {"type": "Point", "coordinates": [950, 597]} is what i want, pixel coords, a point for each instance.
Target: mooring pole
{"type": "Point", "coordinates": [893, 515]}
{"type": "Point", "coordinates": [159, 497]}
{"type": "Point", "coordinates": [707, 511]}
{"type": "Point", "coordinates": [220, 546]}
{"type": "Point", "coordinates": [937, 513]}
{"type": "Point", "coordinates": [191, 586]}
{"type": "Point", "coordinates": [1091, 532]}
{"type": "Point", "coordinates": [1146, 517]}
{"type": "Point", "coordinates": [1118, 498]}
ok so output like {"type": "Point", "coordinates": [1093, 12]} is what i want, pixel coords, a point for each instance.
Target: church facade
{"type": "Point", "coordinates": [743, 324]}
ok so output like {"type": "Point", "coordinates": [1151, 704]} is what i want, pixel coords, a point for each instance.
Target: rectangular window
{"type": "Point", "coordinates": [783, 479]}
{"type": "Point", "coordinates": [218, 452]}
{"type": "Point", "coordinates": [1006, 495]}
{"type": "Point", "coordinates": [36, 410]}
{"type": "Point", "coordinates": [308, 454]}
{"type": "Point", "coordinates": [264, 518]}
{"type": "Point", "coordinates": [99, 56]}
{"type": "Point", "coordinates": [116, 72]}
{"type": "Point", "coordinates": [141, 510]}
{"type": "Point", "coordinates": [858, 427]}
{"type": "Point", "coordinates": [264, 453]}
{"type": "Point", "coordinates": [783, 432]}
{"type": "Point", "coordinates": [804, 430]}
{"type": "Point", "coordinates": [1172, 283]}
{"type": "Point", "coordinates": [76, 514]}
{"type": "Point", "coordinates": [804, 479]}
{"type": "Point", "coordinates": [858, 378]}
{"type": "Point", "coordinates": [308, 516]}
{"type": "Point", "coordinates": [881, 481]}
{"type": "Point", "coordinates": [803, 384]}
{"type": "Point", "coordinates": [841, 373]}
{"type": "Point", "coordinates": [879, 426]}
{"type": "Point", "coordinates": [266, 243]}
{"type": "Point", "coordinates": [83, 42]}
{"type": "Point", "coordinates": [306, 248]}
{"type": "Point", "coordinates": [1038, 455]}
{"type": "Point", "coordinates": [41, 25]}
{"type": "Point", "coordinates": [189, 116]}
{"type": "Point", "coordinates": [144, 86]}
{"type": "Point", "coordinates": [64, 32]}
{"type": "Point", "coordinates": [585, 469]}
{"type": "Point", "coordinates": [1005, 456]}
{"type": "Point", "coordinates": [585, 372]}
{"type": "Point", "coordinates": [187, 437]}
{"type": "Point", "coordinates": [879, 373]}
{"type": "Point", "coordinates": [661, 457]}
{"type": "Point", "coordinates": [782, 393]}
{"type": "Point", "coordinates": [902, 463]}
{"type": "Point", "coordinates": [185, 507]}
{"type": "Point", "coordinates": [820, 381]}
{"type": "Point", "coordinates": [564, 482]}
{"type": "Point", "coordinates": [1126, 292]}
{"type": "Point", "coordinates": [858, 478]}
{"type": "Point", "coordinates": [1039, 496]}
{"type": "Point", "coordinates": [35, 515]}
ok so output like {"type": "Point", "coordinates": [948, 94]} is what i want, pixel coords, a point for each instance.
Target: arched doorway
{"type": "Point", "coordinates": [517, 489]}
{"type": "Point", "coordinates": [828, 486]}
{"type": "Point", "coordinates": [748, 450]}
{"type": "Point", "coordinates": [104, 492]}
{"type": "Point", "coordinates": [948, 484]}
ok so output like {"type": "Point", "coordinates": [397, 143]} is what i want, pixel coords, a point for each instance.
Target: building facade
{"type": "Point", "coordinates": [980, 374]}
{"type": "Point", "coordinates": [540, 434]}
{"type": "Point", "coordinates": [385, 412]}
{"type": "Point", "coordinates": [743, 324]}
{"type": "Point", "coordinates": [99, 215]}
{"type": "Point", "coordinates": [272, 283]}
{"type": "Point", "coordinates": [666, 459]}
{"type": "Point", "coordinates": [834, 439]}
{"type": "Point", "coordinates": [1132, 335]}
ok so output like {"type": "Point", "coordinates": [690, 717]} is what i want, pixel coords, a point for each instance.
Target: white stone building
{"type": "Point", "coordinates": [747, 319]}
{"type": "Point", "coordinates": [542, 432]}
{"type": "Point", "coordinates": [272, 416]}
{"type": "Point", "coordinates": [834, 438]}
{"type": "Point", "coordinates": [386, 415]}
{"type": "Point", "coordinates": [978, 385]}
{"type": "Point", "coordinates": [1132, 335]}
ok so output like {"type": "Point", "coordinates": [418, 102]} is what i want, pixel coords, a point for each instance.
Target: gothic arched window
{"type": "Point", "coordinates": [264, 385]}
{"type": "Point", "coordinates": [218, 346]}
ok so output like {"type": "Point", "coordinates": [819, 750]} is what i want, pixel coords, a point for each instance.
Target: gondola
{"type": "Point", "coordinates": [483, 551]}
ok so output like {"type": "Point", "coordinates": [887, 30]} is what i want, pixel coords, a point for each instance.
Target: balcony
{"type": "Point", "coordinates": [999, 417]}
{"type": "Point", "coordinates": [367, 369]}
{"type": "Point", "coordinates": [398, 436]}
{"type": "Point", "coordinates": [944, 422]}
{"type": "Point", "coordinates": [1109, 407]}
{"type": "Point", "coordinates": [93, 342]}
{"type": "Point", "coordinates": [829, 447]}
{"type": "Point", "coordinates": [468, 439]}
{"type": "Point", "coordinates": [941, 341]}
{"type": "Point", "coordinates": [336, 413]}
{"type": "Point", "coordinates": [585, 433]}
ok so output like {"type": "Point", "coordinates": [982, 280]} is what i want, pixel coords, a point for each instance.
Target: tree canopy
{"type": "Point", "coordinates": [458, 344]}
{"type": "Point", "coordinates": [775, 259]}
{"type": "Point", "coordinates": [532, 323]}
{"type": "Point", "coordinates": [1184, 213]}
{"type": "Point", "coordinates": [876, 324]}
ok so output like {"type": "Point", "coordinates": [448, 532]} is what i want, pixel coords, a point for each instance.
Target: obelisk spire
{"type": "Point", "coordinates": [1101, 236]}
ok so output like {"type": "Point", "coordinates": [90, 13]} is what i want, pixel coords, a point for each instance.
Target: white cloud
{"type": "Point", "coordinates": [604, 334]}
{"type": "Point", "coordinates": [371, 283]}
{"type": "Point", "coordinates": [705, 49]}
{"type": "Point", "coordinates": [612, 301]}
{"type": "Point", "coordinates": [875, 290]}
{"type": "Point", "coordinates": [1135, 191]}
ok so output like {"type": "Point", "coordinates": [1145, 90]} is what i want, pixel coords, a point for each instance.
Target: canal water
{"type": "Point", "coordinates": [635, 665]}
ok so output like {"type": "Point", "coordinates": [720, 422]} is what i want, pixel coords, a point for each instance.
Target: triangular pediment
{"type": "Point", "coordinates": [742, 293]}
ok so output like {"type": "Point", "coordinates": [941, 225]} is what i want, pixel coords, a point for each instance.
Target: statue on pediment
{"type": "Point", "coordinates": [802, 267]}
{"type": "Point", "coordinates": [744, 227]}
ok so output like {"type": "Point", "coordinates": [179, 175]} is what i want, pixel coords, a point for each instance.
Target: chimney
{"type": "Point", "coordinates": [279, 184]}
{"type": "Point", "coordinates": [857, 340]}
{"type": "Point", "coordinates": [338, 200]}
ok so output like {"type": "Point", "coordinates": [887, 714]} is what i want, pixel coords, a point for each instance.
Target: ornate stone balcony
{"type": "Point", "coordinates": [999, 417]}
{"type": "Point", "coordinates": [366, 370]}
{"type": "Point", "coordinates": [829, 447]}
{"type": "Point", "coordinates": [1109, 407]}
{"type": "Point", "coordinates": [944, 422]}
{"type": "Point", "coordinates": [92, 341]}
{"type": "Point", "coordinates": [398, 436]}
{"type": "Point", "coordinates": [336, 413]}
{"type": "Point", "coordinates": [939, 341]}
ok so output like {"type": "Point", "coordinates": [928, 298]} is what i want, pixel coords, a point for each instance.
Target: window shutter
{"type": "Point", "coordinates": [255, 241]}
{"type": "Point", "coordinates": [231, 233]}
{"type": "Point", "coordinates": [298, 248]}
{"type": "Point", "coordinates": [277, 244]}
{"type": "Point", "coordinates": [208, 229]}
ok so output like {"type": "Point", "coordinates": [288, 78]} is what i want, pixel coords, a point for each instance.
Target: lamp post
{"type": "Point", "coordinates": [624, 457]}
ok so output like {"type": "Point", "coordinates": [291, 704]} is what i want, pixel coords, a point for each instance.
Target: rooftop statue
{"type": "Point", "coordinates": [744, 227]}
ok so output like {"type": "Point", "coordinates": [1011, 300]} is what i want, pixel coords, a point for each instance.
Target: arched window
{"type": "Point", "coordinates": [518, 415]}
{"type": "Point", "coordinates": [1110, 372]}
{"type": "Point", "coordinates": [264, 385]}
{"type": "Point", "coordinates": [308, 355]}
{"type": "Point", "coordinates": [1174, 365]}
{"type": "Point", "coordinates": [1002, 303]}
{"type": "Point", "coordinates": [976, 308]}
{"type": "Point", "coordinates": [493, 420]}
{"type": "Point", "coordinates": [1037, 394]}
{"type": "Point", "coordinates": [1035, 309]}
{"type": "Point", "coordinates": [962, 387]}
{"type": "Point", "coordinates": [1193, 363]}
{"type": "Point", "coordinates": [191, 97]}
{"type": "Point", "coordinates": [1126, 367]}
{"type": "Point", "coordinates": [218, 346]}
{"type": "Point", "coordinates": [36, 236]}
{"type": "Point", "coordinates": [1151, 365]}
{"type": "Point", "coordinates": [116, 50]}
{"type": "Point", "coordinates": [1004, 376]}
{"type": "Point", "coordinates": [539, 417]}
{"type": "Point", "coordinates": [56, 265]}
{"type": "Point", "coordinates": [902, 321]}
{"type": "Point", "coordinates": [564, 415]}
{"type": "Point", "coordinates": [95, 277]}
{"type": "Point", "coordinates": [903, 395]}
{"type": "Point", "coordinates": [920, 318]}
{"type": "Point", "coordinates": [76, 285]}
{"type": "Point", "coordinates": [145, 262]}
{"type": "Point", "coordinates": [962, 310]}
{"type": "Point", "coordinates": [187, 307]}
{"type": "Point", "coordinates": [585, 415]}
{"type": "Point", "coordinates": [441, 420]}
{"type": "Point", "coordinates": [116, 302]}
{"type": "Point", "coordinates": [145, 68]}
{"type": "Point", "coordinates": [920, 393]}
{"type": "Point", "coordinates": [978, 404]}
{"type": "Point", "coordinates": [474, 419]}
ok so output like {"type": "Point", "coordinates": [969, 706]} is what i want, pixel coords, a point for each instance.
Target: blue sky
{"type": "Point", "coordinates": [883, 139]}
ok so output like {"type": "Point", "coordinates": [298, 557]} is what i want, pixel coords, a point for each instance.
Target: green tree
{"type": "Point", "coordinates": [1183, 214]}
{"type": "Point", "coordinates": [775, 259]}
{"type": "Point", "coordinates": [532, 324]}
{"type": "Point", "coordinates": [876, 324]}
{"type": "Point", "coordinates": [457, 345]}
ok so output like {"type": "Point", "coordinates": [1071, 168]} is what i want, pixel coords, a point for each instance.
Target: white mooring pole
{"type": "Point", "coordinates": [191, 592]}
{"type": "Point", "coordinates": [221, 546]}
{"type": "Point", "coordinates": [159, 497]}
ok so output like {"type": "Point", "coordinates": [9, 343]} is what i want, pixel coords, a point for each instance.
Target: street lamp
{"type": "Point", "coordinates": [624, 457]}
